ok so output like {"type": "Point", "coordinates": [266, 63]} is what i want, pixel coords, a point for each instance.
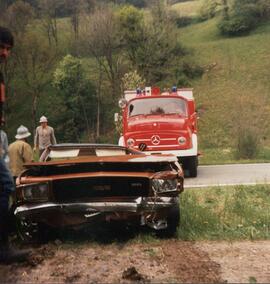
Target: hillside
{"type": "Point", "coordinates": [232, 95]}
{"type": "Point", "coordinates": [234, 90]}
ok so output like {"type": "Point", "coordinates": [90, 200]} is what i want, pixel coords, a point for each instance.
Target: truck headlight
{"type": "Point", "coordinates": [36, 192]}
{"type": "Point", "coordinates": [130, 142]}
{"type": "Point", "coordinates": [182, 140]}
{"type": "Point", "coordinates": [122, 103]}
{"type": "Point", "coordinates": [163, 185]}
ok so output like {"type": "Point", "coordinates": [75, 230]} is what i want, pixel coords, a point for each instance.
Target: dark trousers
{"type": "Point", "coordinates": [6, 188]}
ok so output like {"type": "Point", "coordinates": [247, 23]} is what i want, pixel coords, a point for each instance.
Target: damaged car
{"type": "Point", "coordinates": [78, 184]}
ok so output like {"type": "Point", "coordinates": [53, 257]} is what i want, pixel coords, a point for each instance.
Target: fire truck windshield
{"type": "Point", "coordinates": [157, 106]}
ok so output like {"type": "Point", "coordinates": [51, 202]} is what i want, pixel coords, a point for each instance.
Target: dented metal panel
{"type": "Point", "coordinates": [78, 190]}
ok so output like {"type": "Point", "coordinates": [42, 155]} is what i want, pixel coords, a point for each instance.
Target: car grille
{"type": "Point", "coordinates": [83, 188]}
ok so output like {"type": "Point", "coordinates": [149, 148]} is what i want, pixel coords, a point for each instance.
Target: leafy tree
{"type": "Point", "coordinates": [244, 16]}
{"type": "Point", "coordinates": [71, 80]}
{"type": "Point", "coordinates": [152, 46]}
{"type": "Point", "coordinates": [18, 16]}
{"type": "Point", "coordinates": [100, 39]}
{"type": "Point", "coordinates": [34, 62]}
{"type": "Point", "coordinates": [48, 15]}
{"type": "Point", "coordinates": [132, 30]}
{"type": "Point", "coordinates": [209, 9]}
{"type": "Point", "coordinates": [132, 80]}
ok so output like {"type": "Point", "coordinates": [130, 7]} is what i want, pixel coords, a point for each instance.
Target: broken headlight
{"type": "Point", "coordinates": [163, 185]}
{"type": "Point", "coordinates": [36, 192]}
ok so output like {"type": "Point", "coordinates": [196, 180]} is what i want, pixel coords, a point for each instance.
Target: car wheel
{"type": "Point", "coordinates": [173, 223]}
{"type": "Point", "coordinates": [31, 232]}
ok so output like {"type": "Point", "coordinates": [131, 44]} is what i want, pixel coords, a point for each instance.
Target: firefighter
{"type": "Point", "coordinates": [44, 136]}
{"type": "Point", "coordinates": [7, 253]}
{"type": "Point", "coordinates": [20, 152]}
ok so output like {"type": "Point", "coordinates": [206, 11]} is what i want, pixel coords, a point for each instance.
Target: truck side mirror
{"type": "Point", "coordinates": [116, 117]}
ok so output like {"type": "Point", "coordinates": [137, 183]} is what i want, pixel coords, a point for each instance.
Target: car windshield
{"type": "Point", "coordinates": [58, 154]}
{"type": "Point", "coordinates": [157, 106]}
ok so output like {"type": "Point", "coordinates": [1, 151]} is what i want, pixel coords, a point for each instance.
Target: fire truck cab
{"type": "Point", "coordinates": [161, 122]}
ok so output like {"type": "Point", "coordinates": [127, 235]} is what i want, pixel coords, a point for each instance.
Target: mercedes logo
{"type": "Point", "coordinates": [155, 140]}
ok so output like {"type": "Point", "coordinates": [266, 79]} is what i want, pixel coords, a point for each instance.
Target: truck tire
{"type": "Point", "coordinates": [173, 223]}
{"type": "Point", "coordinates": [192, 166]}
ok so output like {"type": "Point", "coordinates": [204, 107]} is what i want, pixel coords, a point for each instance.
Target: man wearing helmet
{"type": "Point", "coordinates": [44, 136]}
{"type": "Point", "coordinates": [20, 152]}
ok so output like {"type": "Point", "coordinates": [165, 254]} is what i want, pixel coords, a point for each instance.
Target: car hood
{"type": "Point", "coordinates": [108, 159]}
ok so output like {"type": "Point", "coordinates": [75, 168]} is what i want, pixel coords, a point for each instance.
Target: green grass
{"type": "Point", "coordinates": [219, 156]}
{"type": "Point", "coordinates": [235, 85]}
{"type": "Point", "coordinates": [231, 213]}
{"type": "Point", "coordinates": [189, 8]}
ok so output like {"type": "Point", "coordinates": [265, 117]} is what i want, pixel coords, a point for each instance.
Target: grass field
{"type": "Point", "coordinates": [234, 90]}
{"type": "Point", "coordinates": [232, 213]}
{"type": "Point", "coordinates": [189, 8]}
{"type": "Point", "coordinates": [221, 213]}
{"type": "Point", "coordinates": [218, 156]}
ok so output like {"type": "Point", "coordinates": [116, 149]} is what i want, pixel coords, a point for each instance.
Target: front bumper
{"type": "Point", "coordinates": [65, 214]}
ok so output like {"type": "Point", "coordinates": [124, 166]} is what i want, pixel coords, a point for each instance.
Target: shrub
{"type": "Point", "coordinates": [244, 16]}
{"type": "Point", "coordinates": [208, 9]}
{"type": "Point", "coordinates": [184, 21]}
{"type": "Point", "coordinates": [238, 25]}
{"type": "Point", "coordinates": [247, 145]}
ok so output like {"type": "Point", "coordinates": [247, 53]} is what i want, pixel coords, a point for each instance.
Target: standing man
{"type": "Point", "coordinates": [44, 136]}
{"type": "Point", "coordinates": [20, 152]}
{"type": "Point", "coordinates": [7, 254]}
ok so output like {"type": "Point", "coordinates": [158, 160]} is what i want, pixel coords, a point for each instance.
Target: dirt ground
{"type": "Point", "coordinates": [165, 261]}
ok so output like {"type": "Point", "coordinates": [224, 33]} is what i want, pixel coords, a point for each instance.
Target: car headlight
{"type": "Point", "coordinates": [36, 192]}
{"type": "Point", "coordinates": [163, 185]}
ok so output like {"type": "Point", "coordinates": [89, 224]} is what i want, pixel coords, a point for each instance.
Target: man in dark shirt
{"type": "Point", "coordinates": [7, 254]}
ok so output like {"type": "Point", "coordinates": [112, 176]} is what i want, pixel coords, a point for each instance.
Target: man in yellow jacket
{"type": "Point", "coordinates": [20, 152]}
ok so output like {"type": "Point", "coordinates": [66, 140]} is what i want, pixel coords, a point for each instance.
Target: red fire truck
{"type": "Point", "coordinates": [161, 122]}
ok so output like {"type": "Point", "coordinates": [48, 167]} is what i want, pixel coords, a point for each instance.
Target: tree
{"type": "Point", "coordinates": [100, 39]}
{"type": "Point", "coordinates": [152, 46]}
{"type": "Point", "coordinates": [244, 16]}
{"type": "Point", "coordinates": [71, 80]}
{"type": "Point", "coordinates": [34, 62]}
{"type": "Point", "coordinates": [18, 16]}
{"type": "Point", "coordinates": [132, 80]}
{"type": "Point", "coordinates": [74, 9]}
{"type": "Point", "coordinates": [48, 13]}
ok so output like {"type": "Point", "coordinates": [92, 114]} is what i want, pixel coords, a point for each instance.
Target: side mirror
{"type": "Point", "coordinates": [116, 117]}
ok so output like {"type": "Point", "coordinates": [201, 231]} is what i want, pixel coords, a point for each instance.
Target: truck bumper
{"type": "Point", "coordinates": [181, 153]}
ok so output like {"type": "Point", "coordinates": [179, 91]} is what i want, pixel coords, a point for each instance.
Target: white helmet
{"type": "Point", "coordinates": [43, 119]}
{"type": "Point", "coordinates": [22, 132]}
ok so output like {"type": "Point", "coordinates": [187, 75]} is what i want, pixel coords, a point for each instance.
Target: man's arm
{"type": "Point", "coordinates": [53, 139]}
{"type": "Point", "coordinates": [27, 153]}
{"type": "Point", "coordinates": [36, 144]}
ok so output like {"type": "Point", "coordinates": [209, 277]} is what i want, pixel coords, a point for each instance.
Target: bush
{"type": "Point", "coordinates": [237, 25]}
{"type": "Point", "coordinates": [184, 21]}
{"type": "Point", "coordinates": [247, 145]}
{"type": "Point", "coordinates": [244, 17]}
{"type": "Point", "coordinates": [208, 9]}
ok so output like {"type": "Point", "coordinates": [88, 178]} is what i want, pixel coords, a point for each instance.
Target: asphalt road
{"type": "Point", "coordinates": [234, 174]}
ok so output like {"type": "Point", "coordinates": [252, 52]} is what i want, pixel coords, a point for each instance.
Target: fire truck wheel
{"type": "Point", "coordinates": [192, 166]}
